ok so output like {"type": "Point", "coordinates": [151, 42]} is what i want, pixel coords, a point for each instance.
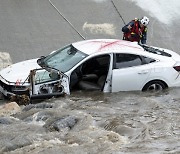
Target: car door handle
{"type": "Point", "coordinates": [143, 72]}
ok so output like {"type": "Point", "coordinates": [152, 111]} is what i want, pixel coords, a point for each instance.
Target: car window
{"type": "Point", "coordinates": [102, 60]}
{"type": "Point", "coordinates": [43, 76]}
{"type": "Point", "coordinates": [64, 59]}
{"type": "Point", "coordinates": [127, 60]}
{"type": "Point", "coordinates": [96, 65]}
{"type": "Point", "coordinates": [148, 60]}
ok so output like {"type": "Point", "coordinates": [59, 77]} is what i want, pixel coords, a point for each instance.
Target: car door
{"type": "Point", "coordinates": [129, 72]}
{"type": "Point", "coordinates": [46, 84]}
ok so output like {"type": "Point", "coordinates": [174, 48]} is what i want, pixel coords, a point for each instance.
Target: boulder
{"type": "Point", "coordinates": [9, 109]}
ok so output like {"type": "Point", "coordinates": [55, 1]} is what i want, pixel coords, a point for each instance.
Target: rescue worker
{"type": "Point", "coordinates": [136, 30]}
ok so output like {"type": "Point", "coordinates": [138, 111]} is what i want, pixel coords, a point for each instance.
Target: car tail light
{"type": "Point", "coordinates": [177, 68]}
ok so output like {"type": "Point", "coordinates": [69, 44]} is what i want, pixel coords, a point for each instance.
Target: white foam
{"type": "Point", "coordinates": [105, 28]}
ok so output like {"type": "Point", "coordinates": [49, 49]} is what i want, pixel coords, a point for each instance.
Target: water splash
{"type": "Point", "coordinates": [165, 11]}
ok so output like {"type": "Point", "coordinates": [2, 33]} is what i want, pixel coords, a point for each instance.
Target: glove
{"type": "Point", "coordinates": [134, 35]}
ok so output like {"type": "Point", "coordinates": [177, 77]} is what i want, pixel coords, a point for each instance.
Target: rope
{"type": "Point", "coordinates": [66, 19]}
{"type": "Point", "coordinates": [118, 12]}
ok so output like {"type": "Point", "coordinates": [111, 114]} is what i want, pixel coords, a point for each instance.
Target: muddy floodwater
{"type": "Point", "coordinates": [95, 123]}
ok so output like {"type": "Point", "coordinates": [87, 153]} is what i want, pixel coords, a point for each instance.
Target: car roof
{"type": "Point", "coordinates": [104, 46]}
{"type": "Point", "coordinates": [107, 45]}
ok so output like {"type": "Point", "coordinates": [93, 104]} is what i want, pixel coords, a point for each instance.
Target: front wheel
{"type": "Point", "coordinates": [153, 86]}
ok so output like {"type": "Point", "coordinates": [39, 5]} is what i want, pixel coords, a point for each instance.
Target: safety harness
{"type": "Point", "coordinates": [135, 33]}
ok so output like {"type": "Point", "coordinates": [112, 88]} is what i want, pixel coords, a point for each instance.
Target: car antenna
{"type": "Point", "coordinates": [118, 12]}
{"type": "Point", "coordinates": [66, 19]}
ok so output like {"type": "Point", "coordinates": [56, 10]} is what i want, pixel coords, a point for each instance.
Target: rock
{"type": "Point", "coordinates": [1, 96]}
{"type": "Point", "coordinates": [20, 99]}
{"type": "Point", "coordinates": [37, 106]}
{"type": "Point", "coordinates": [5, 121]}
{"type": "Point", "coordinates": [61, 124]}
{"type": "Point", "coordinates": [5, 60]}
{"type": "Point", "coordinates": [9, 109]}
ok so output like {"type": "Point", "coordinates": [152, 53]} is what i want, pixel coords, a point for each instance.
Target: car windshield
{"type": "Point", "coordinates": [64, 59]}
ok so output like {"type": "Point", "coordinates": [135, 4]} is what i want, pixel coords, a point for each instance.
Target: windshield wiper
{"type": "Point", "coordinates": [154, 50]}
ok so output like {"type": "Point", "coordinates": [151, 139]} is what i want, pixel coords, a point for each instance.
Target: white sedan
{"type": "Point", "coordinates": [108, 65]}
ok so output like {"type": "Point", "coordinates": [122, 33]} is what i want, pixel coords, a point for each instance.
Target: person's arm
{"type": "Point", "coordinates": [128, 27]}
{"type": "Point", "coordinates": [144, 36]}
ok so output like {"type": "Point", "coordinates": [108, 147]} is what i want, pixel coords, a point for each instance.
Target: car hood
{"type": "Point", "coordinates": [18, 72]}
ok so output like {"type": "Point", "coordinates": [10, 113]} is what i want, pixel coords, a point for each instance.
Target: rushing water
{"type": "Point", "coordinates": [94, 122]}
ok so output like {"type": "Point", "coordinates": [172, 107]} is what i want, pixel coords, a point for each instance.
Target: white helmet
{"type": "Point", "coordinates": [145, 21]}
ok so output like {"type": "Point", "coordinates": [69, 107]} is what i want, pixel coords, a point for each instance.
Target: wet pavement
{"type": "Point", "coordinates": [32, 28]}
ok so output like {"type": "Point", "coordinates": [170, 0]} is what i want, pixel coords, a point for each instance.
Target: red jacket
{"type": "Point", "coordinates": [136, 33]}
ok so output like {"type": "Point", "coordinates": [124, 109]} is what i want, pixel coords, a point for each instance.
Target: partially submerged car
{"type": "Point", "coordinates": [108, 65]}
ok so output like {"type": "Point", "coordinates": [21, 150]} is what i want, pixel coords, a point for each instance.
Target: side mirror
{"type": "Point", "coordinates": [40, 61]}
{"type": "Point", "coordinates": [54, 75]}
